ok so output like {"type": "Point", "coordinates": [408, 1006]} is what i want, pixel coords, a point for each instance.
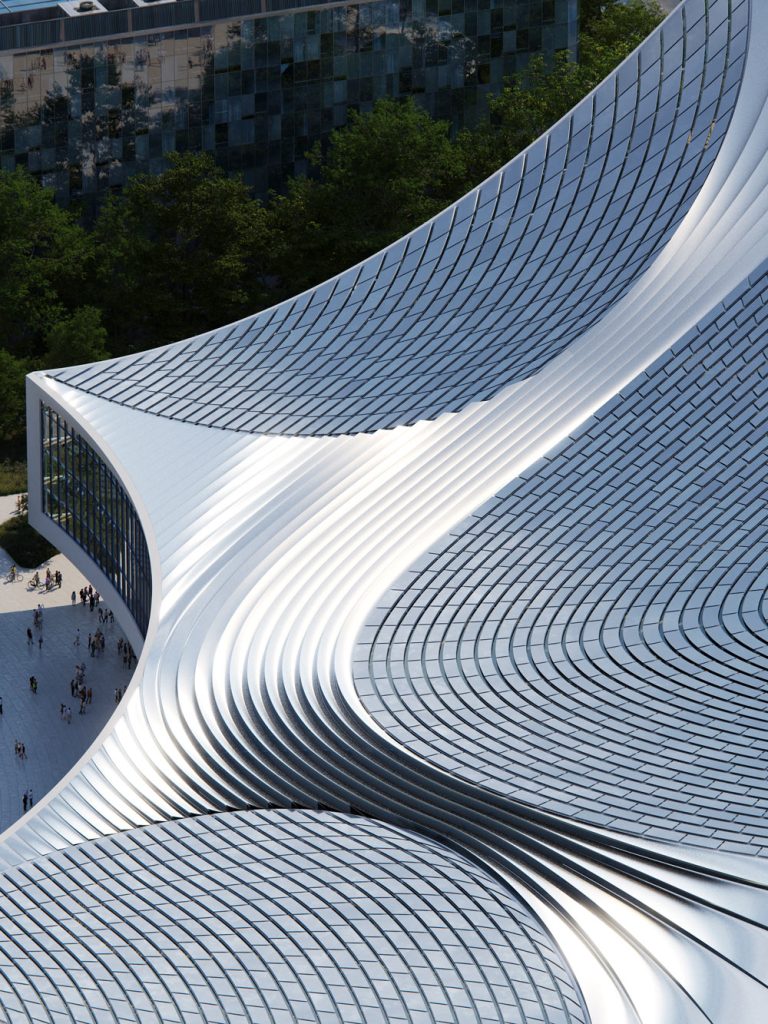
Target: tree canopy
{"type": "Point", "coordinates": [381, 175]}
{"type": "Point", "coordinates": [190, 249]}
{"type": "Point", "coordinates": [79, 337]}
{"type": "Point", "coordinates": [12, 373]}
{"type": "Point", "coordinates": [537, 97]}
{"type": "Point", "coordinates": [44, 266]}
{"type": "Point", "coordinates": [612, 36]}
{"type": "Point", "coordinates": [179, 252]}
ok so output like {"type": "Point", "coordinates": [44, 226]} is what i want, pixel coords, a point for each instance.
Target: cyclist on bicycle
{"type": "Point", "coordinates": [12, 573]}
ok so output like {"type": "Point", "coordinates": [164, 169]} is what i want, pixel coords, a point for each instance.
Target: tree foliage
{"type": "Point", "coordinates": [612, 36]}
{"type": "Point", "coordinates": [189, 249]}
{"type": "Point", "coordinates": [45, 262]}
{"type": "Point", "coordinates": [528, 104]}
{"type": "Point", "coordinates": [180, 252]}
{"type": "Point", "coordinates": [537, 97]}
{"type": "Point", "coordinates": [385, 172]}
{"type": "Point", "coordinates": [605, 18]}
{"type": "Point", "coordinates": [79, 337]}
{"type": "Point", "coordinates": [12, 373]}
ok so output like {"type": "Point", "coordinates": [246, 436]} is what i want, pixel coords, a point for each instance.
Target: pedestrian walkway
{"type": "Point", "coordinates": [52, 744]}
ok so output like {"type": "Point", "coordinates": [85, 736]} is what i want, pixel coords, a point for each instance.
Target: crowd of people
{"type": "Point", "coordinates": [90, 597]}
{"type": "Point", "coordinates": [52, 579]}
{"type": "Point", "coordinates": [125, 651]}
{"type": "Point", "coordinates": [80, 690]}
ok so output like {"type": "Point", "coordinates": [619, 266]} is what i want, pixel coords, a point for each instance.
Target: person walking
{"type": "Point", "coordinates": [74, 598]}
{"type": "Point", "coordinates": [24, 801]}
{"type": "Point", "coordinates": [29, 636]}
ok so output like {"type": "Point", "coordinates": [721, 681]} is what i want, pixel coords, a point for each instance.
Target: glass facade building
{"type": "Point", "coordinates": [88, 99]}
{"type": "Point", "coordinates": [84, 497]}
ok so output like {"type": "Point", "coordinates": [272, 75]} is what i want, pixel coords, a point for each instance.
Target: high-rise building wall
{"type": "Point", "coordinates": [86, 99]}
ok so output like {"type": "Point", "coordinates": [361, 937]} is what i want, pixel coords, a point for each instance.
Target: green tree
{"type": "Point", "coordinates": [612, 36]}
{"type": "Point", "coordinates": [79, 338]}
{"type": "Point", "coordinates": [45, 262]}
{"type": "Point", "coordinates": [611, 20]}
{"type": "Point", "coordinates": [180, 252]}
{"type": "Point", "coordinates": [527, 106]}
{"type": "Point", "coordinates": [605, 17]}
{"type": "Point", "coordinates": [12, 408]}
{"type": "Point", "coordinates": [591, 11]}
{"type": "Point", "coordinates": [383, 174]}
{"type": "Point", "coordinates": [537, 97]}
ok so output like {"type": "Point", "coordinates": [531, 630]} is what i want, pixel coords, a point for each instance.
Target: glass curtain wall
{"type": "Point", "coordinates": [84, 497]}
{"type": "Point", "coordinates": [256, 92]}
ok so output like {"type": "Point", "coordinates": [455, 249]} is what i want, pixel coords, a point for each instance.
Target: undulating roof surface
{"type": "Point", "coordinates": [276, 917]}
{"type": "Point", "coordinates": [490, 290]}
{"type": "Point", "coordinates": [594, 640]}
{"type": "Point", "coordinates": [532, 632]}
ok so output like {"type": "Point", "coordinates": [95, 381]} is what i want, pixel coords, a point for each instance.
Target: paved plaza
{"type": "Point", "coordinates": [52, 744]}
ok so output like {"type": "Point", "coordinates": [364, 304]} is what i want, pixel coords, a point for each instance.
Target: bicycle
{"type": "Point", "coordinates": [13, 575]}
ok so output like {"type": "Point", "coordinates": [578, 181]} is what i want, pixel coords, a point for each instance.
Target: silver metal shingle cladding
{"type": "Point", "coordinates": [594, 640]}
{"type": "Point", "coordinates": [490, 290]}
{"type": "Point", "coordinates": [275, 917]}
{"type": "Point", "coordinates": [528, 624]}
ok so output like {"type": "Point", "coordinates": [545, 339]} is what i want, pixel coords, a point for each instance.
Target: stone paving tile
{"type": "Point", "coordinates": [52, 745]}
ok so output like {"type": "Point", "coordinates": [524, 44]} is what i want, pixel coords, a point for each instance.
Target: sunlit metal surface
{"type": "Point", "coordinates": [413, 623]}
{"type": "Point", "coordinates": [354, 921]}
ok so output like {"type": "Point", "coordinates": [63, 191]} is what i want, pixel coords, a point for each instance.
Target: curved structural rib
{"type": "Point", "coordinates": [268, 552]}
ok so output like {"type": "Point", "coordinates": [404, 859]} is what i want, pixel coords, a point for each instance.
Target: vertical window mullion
{"type": "Point", "coordinates": [82, 495]}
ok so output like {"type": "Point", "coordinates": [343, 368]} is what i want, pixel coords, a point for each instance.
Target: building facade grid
{"type": "Point", "coordinates": [256, 91]}
{"type": "Point", "coordinates": [83, 496]}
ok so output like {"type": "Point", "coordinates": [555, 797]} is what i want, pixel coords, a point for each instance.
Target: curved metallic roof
{"type": "Point", "coordinates": [594, 641]}
{"type": "Point", "coordinates": [273, 916]}
{"type": "Point", "coordinates": [490, 290]}
{"type": "Point", "coordinates": [268, 553]}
